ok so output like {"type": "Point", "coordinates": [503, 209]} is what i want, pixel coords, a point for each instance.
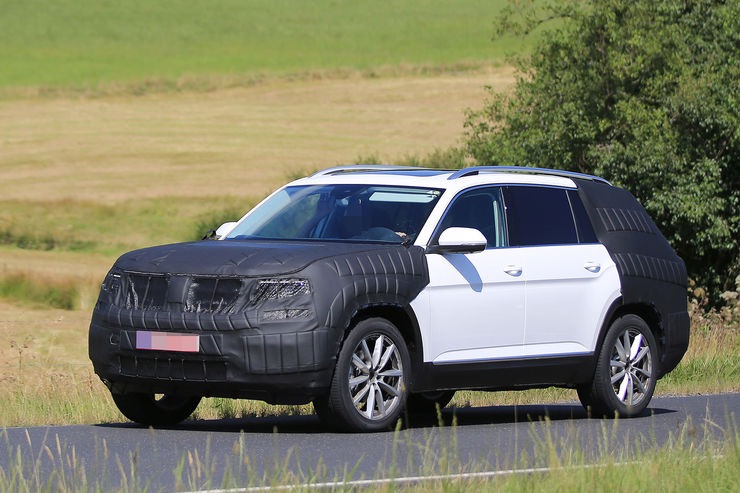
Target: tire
{"type": "Point", "coordinates": [368, 391]}
{"type": "Point", "coordinates": [626, 371]}
{"type": "Point", "coordinates": [156, 410]}
{"type": "Point", "coordinates": [425, 403]}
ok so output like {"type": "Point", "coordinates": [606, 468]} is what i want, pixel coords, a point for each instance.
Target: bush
{"type": "Point", "coordinates": [644, 93]}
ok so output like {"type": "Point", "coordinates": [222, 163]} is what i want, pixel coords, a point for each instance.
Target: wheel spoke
{"type": "Point", "coordinates": [635, 347]}
{"type": "Point", "coordinates": [623, 387]}
{"type": "Point", "coordinates": [394, 372]}
{"type": "Point", "coordinates": [626, 345]}
{"type": "Point", "coordinates": [617, 377]}
{"type": "Point", "coordinates": [387, 356]}
{"type": "Point", "coordinates": [640, 355]}
{"type": "Point", "coordinates": [366, 351]}
{"type": "Point", "coordinates": [389, 389]}
{"type": "Point", "coordinates": [379, 400]}
{"type": "Point", "coordinates": [354, 382]}
{"type": "Point", "coordinates": [370, 403]}
{"type": "Point", "coordinates": [620, 350]}
{"type": "Point", "coordinates": [377, 350]}
{"type": "Point", "coordinates": [647, 374]}
{"type": "Point", "coordinates": [615, 363]}
{"type": "Point", "coordinates": [630, 389]}
{"type": "Point", "coordinates": [361, 394]}
{"type": "Point", "coordinates": [359, 364]}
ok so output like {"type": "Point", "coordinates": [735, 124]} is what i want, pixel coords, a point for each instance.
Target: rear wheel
{"type": "Point", "coordinates": [369, 389]}
{"type": "Point", "coordinates": [156, 409]}
{"type": "Point", "coordinates": [626, 370]}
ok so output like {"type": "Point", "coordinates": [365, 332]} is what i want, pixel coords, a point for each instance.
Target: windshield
{"type": "Point", "coordinates": [340, 212]}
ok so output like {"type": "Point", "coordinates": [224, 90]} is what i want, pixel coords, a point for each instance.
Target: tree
{"type": "Point", "coordinates": [644, 93]}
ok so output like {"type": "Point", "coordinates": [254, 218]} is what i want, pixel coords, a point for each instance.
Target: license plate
{"type": "Point", "coordinates": [167, 341]}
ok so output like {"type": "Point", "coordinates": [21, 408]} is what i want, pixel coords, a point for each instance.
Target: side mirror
{"type": "Point", "coordinates": [460, 240]}
{"type": "Point", "coordinates": [225, 229]}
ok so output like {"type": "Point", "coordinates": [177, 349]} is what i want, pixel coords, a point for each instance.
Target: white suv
{"type": "Point", "coordinates": [375, 292]}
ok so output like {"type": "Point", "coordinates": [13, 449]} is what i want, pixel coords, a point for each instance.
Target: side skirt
{"type": "Point", "coordinates": [517, 374]}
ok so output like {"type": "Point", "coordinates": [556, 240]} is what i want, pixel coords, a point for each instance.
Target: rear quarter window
{"type": "Point", "coordinates": [583, 224]}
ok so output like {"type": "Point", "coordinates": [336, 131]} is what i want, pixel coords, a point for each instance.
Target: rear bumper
{"type": "Point", "coordinates": [677, 328]}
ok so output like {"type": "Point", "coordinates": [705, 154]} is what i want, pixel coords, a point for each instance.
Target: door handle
{"type": "Point", "coordinates": [592, 267]}
{"type": "Point", "coordinates": [513, 270]}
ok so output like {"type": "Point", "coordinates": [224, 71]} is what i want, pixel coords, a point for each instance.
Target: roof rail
{"type": "Point", "coordinates": [350, 168]}
{"type": "Point", "coordinates": [475, 170]}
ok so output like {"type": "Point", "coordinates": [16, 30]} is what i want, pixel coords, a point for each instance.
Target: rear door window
{"type": "Point", "coordinates": [539, 216]}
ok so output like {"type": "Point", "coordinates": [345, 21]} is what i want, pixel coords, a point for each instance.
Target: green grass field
{"type": "Point", "coordinates": [76, 43]}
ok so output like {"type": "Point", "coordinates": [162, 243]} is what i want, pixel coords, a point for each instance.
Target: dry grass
{"type": "Point", "coordinates": [45, 376]}
{"type": "Point", "coordinates": [239, 142]}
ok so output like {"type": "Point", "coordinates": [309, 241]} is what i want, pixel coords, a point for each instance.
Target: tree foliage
{"type": "Point", "coordinates": [644, 93]}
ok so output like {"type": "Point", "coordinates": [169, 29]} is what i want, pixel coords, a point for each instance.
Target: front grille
{"type": "Point", "coordinates": [160, 292]}
{"type": "Point", "coordinates": [145, 292]}
{"type": "Point", "coordinates": [212, 295]}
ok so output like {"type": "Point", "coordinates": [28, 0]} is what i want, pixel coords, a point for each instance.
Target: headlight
{"type": "Point", "coordinates": [276, 289]}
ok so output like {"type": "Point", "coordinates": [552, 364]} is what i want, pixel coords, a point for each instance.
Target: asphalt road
{"type": "Point", "coordinates": [254, 452]}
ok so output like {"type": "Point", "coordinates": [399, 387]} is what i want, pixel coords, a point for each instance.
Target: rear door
{"type": "Point", "coordinates": [570, 277]}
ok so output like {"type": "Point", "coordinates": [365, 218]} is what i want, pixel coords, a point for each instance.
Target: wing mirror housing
{"type": "Point", "coordinates": [459, 240]}
{"type": "Point", "coordinates": [225, 229]}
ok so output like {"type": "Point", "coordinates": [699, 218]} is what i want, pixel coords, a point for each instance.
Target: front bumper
{"type": "Point", "coordinates": [279, 362]}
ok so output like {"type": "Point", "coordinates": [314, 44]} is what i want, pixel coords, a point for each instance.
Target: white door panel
{"type": "Point", "coordinates": [476, 305]}
{"type": "Point", "coordinates": [567, 289]}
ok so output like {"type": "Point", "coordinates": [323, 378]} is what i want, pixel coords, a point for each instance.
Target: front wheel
{"type": "Point", "coordinates": [626, 370]}
{"type": "Point", "coordinates": [369, 388]}
{"type": "Point", "coordinates": [155, 409]}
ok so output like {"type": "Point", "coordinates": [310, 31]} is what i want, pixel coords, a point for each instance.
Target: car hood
{"type": "Point", "coordinates": [238, 257]}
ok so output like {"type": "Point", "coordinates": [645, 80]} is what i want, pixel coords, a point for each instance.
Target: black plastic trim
{"type": "Point", "coordinates": [511, 374]}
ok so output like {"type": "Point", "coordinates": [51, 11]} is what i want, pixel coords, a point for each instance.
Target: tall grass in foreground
{"type": "Point", "coordinates": [694, 458]}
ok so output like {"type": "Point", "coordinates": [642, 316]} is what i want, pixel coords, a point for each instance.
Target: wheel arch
{"type": "Point", "coordinates": [405, 321]}
{"type": "Point", "coordinates": [645, 311]}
